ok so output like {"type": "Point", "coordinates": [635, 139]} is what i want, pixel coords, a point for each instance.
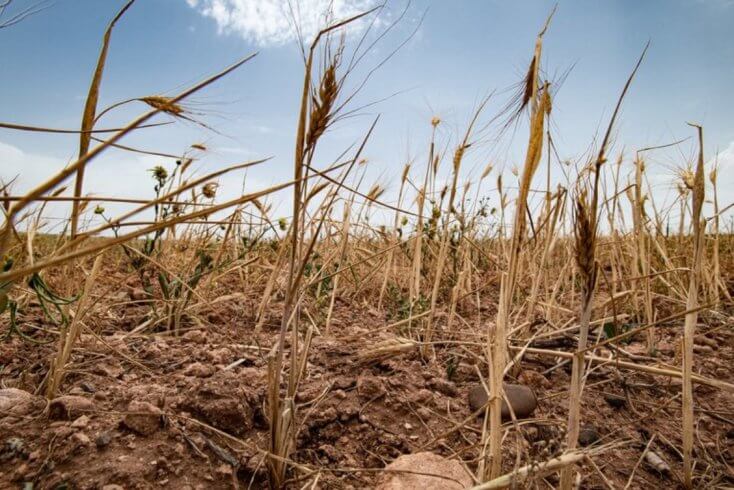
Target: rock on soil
{"type": "Point", "coordinates": [521, 398]}
{"type": "Point", "coordinates": [588, 435]}
{"type": "Point", "coordinates": [103, 440]}
{"type": "Point", "coordinates": [144, 418]}
{"type": "Point", "coordinates": [69, 407]}
{"type": "Point", "coordinates": [199, 370]}
{"type": "Point", "coordinates": [615, 401]}
{"type": "Point", "coordinates": [449, 474]}
{"type": "Point", "coordinates": [19, 403]}
{"type": "Point", "coordinates": [195, 336]}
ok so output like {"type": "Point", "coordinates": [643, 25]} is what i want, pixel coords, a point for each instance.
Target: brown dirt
{"type": "Point", "coordinates": [159, 411]}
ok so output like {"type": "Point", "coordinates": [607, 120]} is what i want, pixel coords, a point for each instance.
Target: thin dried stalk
{"type": "Point", "coordinates": [535, 470]}
{"type": "Point", "coordinates": [342, 258]}
{"type": "Point", "coordinates": [59, 259]}
{"type": "Point", "coordinates": [689, 328]}
{"type": "Point", "coordinates": [69, 335]}
{"type": "Point", "coordinates": [90, 108]}
{"type": "Point", "coordinates": [395, 235]}
{"type": "Point", "coordinates": [282, 409]}
{"type": "Point", "coordinates": [446, 234]}
{"type": "Point", "coordinates": [586, 220]}
{"type": "Point", "coordinates": [643, 246]}
{"type": "Point", "coordinates": [497, 336]}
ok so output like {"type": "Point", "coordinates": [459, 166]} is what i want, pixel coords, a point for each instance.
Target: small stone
{"type": "Point", "coordinates": [658, 463]}
{"type": "Point", "coordinates": [144, 418]}
{"type": "Point", "coordinates": [199, 370]}
{"type": "Point", "coordinates": [112, 371]}
{"type": "Point", "coordinates": [531, 433]}
{"type": "Point", "coordinates": [82, 438]}
{"type": "Point", "coordinates": [112, 487]}
{"type": "Point", "coordinates": [80, 422]}
{"type": "Point", "coordinates": [588, 435]}
{"type": "Point", "coordinates": [703, 340]}
{"type": "Point", "coordinates": [87, 387]}
{"type": "Point", "coordinates": [69, 407]}
{"type": "Point", "coordinates": [18, 403]}
{"type": "Point", "coordinates": [103, 440]}
{"type": "Point", "coordinates": [220, 356]}
{"type": "Point", "coordinates": [615, 401]}
{"type": "Point", "coordinates": [522, 400]}
{"type": "Point", "coordinates": [414, 472]}
{"type": "Point", "coordinates": [195, 336]}
{"type": "Point", "coordinates": [703, 349]}
{"type": "Point", "coordinates": [344, 383]}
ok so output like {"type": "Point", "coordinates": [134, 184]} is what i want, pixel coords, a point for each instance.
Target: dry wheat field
{"type": "Point", "coordinates": [572, 334]}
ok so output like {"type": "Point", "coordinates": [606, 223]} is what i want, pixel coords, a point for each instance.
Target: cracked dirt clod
{"type": "Point", "coordinates": [223, 412]}
{"type": "Point", "coordinates": [370, 387]}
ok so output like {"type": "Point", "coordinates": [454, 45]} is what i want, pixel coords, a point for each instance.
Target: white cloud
{"type": "Point", "coordinates": [114, 174]}
{"type": "Point", "coordinates": [27, 169]}
{"type": "Point", "coordinates": [109, 175]}
{"type": "Point", "coordinates": [725, 174]}
{"type": "Point", "coordinates": [269, 22]}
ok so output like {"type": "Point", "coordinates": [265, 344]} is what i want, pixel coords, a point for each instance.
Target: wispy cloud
{"type": "Point", "coordinates": [724, 161]}
{"type": "Point", "coordinates": [119, 175]}
{"type": "Point", "coordinates": [270, 22]}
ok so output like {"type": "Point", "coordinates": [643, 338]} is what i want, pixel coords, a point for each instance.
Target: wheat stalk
{"type": "Point", "coordinates": [697, 199]}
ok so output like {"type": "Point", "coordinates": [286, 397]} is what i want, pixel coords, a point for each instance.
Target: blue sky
{"type": "Point", "coordinates": [462, 51]}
